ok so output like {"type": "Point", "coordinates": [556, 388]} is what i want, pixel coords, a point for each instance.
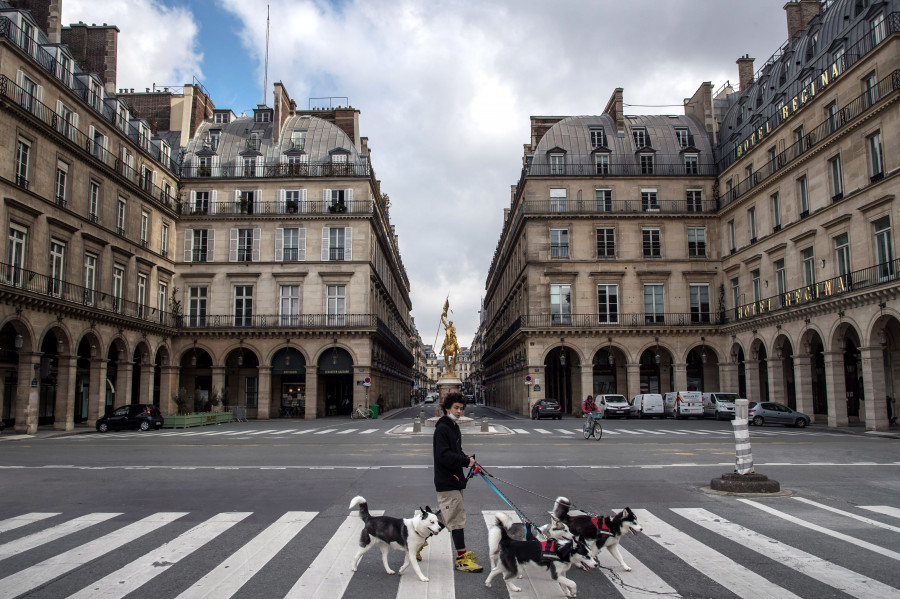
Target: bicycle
{"type": "Point", "coordinates": [361, 414]}
{"type": "Point", "coordinates": [592, 427]}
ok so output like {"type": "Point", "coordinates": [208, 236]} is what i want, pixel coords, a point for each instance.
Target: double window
{"type": "Point", "coordinates": [62, 176]}
{"type": "Point", "coordinates": [607, 303]}
{"type": "Point", "coordinates": [23, 151]}
{"type": "Point", "coordinates": [561, 304]}
{"type": "Point", "coordinates": [289, 310]}
{"type": "Point", "coordinates": [654, 308]}
{"type": "Point", "coordinates": [751, 223]}
{"type": "Point", "coordinates": [640, 137]}
{"type": "Point", "coordinates": [682, 137]}
{"type": "Point", "coordinates": [808, 264]}
{"type": "Point", "coordinates": [198, 298]}
{"type": "Point", "coordinates": [700, 302]}
{"type": "Point", "coordinates": [198, 245]}
{"type": "Point", "coordinates": [836, 178]}
{"type": "Point", "coordinates": [691, 164]}
{"type": "Point", "coordinates": [646, 164]}
{"type": "Point", "coordinates": [145, 228]}
{"type": "Point", "coordinates": [776, 211]}
{"type": "Point", "coordinates": [90, 278]}
{"type": "Point", "coordinates": [842, 256]}
{"type": "Point", "coordinates": [696, 242]}
{"type": "Point", "coordinates": [57, 266]}
{"type": "Point", "coordinates": [884, 248]}
{"type": "Point", "coordinates": [557, 200]}
{"type": "Point", "coordinates": [598, 137]}
{"type": "Point", "coordinates": [243, 305]}
{"type": "Point", "coordinates": [559, 243]}
{"type": "Point", "coordinates": [606, 242]}
{"type": "Point", "coordinates": [337, 243]}
{"type": "Point", "coordinates": [557, 164]}
{"type": "Point", "coordinates": [604, 200]}
{"type": "Point", "coordinates": [780, 281]}
{"type": "Point", "coordinates": [290, 244]}
{"type": "Point", "coordinates": [803, 196]}
{"type": "Point", "coordinates": [336, 304]}
{"type": "Point", "coordinates": [876, 157]}
{"type": "Point", "coordinates": [141, 295]}
{"type": "Point", "coordinates": [652, 242]}
{"type": "Point", "coordinates": [649, 200]}
{"type": "Point", "coordinates": [118, 290]}
{"type": "Point", "coordinates": [755, 283]}
{"type": "Point", "coordinates": [601, 163]}
{"type": "Point", "coordinates": [694, 200]}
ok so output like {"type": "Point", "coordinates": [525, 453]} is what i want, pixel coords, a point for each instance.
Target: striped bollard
{"type": "Point", "coordinates": [742, 452]}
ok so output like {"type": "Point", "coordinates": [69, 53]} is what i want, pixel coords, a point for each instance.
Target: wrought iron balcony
{"type": "Point", "coordinates": [269, 169]}
{"type": "Point", "coordinates": [276, 321]}
{"type": "Point", "coordinates": [603, 206]}
{"type": "Point", "coordinates": [204, 208]}
{"type": "Point", "coordinates": [639, 319]}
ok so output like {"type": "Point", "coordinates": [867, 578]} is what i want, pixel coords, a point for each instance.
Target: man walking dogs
{"type": "Point", "coordinates": [449, 479]}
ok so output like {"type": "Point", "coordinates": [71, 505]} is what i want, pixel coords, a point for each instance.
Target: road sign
{"type": "Point", "coordinates": [527, 379]}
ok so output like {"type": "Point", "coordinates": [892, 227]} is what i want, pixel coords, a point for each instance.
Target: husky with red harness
{"type": "Point", "coordinates": [598, 531]}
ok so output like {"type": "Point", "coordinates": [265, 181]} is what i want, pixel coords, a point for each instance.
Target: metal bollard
{"type": "Point", "coordinates": [417, 425]}
{"type": "Point", "coordinates": [421, 414]}
{"type": "Point", "coordinates": [742, 450]}
{"type": "Point", "coordinates": [484, 425]}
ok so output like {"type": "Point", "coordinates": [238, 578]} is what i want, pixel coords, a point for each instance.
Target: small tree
{"type": "Point", "coordinates": [181, 400]}
{"type": "Point", "coordinates": [175, 308]}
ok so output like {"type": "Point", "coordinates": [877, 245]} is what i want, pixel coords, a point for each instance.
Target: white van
{"type": "Point", "coordinates": [718, 404]}
{"type": "Point", "coordinates": [684, 404]}
{"type": "Point", "coordinates": [647, 405]}
{"type": "Point", "coordinates": [613, 405]}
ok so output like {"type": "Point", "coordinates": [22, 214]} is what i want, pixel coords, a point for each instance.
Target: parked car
{"type": "Point", "coordinates": [546, 408]}
{"type": "Point", "coordinates": [647, 405]}
{"type": "Point", "coordinates": [470, 398]}
{"type": "Point", "coordinates": [771, 412]}
{"type": "Point", "coordinates": [431, 398]}
{"type": "Point", "coordinates": [718, 404]}
{"type": "Point", "coordinates": [612, 405]}
{"type": "Point", "coordinates": [684, 404]}
{"type": "Point", "coordinates": [139, 416]}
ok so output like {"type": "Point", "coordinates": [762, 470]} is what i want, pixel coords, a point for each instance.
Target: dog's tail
{"type": "Point", "coordinates": [561, 508]}
{"type": "Point", "coordinates": [497, 535]}
{"type": "Point", "coordinates": [503, 520]}
{"type": "Point", "coordinates": [360, 501]}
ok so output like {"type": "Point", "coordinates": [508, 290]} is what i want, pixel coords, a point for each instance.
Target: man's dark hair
{"type": "Point", "coordinates": [451, 399]}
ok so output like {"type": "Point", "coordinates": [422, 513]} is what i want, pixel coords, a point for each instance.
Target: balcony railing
{"type": "Point", "coordinates": [820, 133]}
{"type": "Point", "coordinates": [49, 117]}
{"type": "Point", "coordinates": [277, 321]}
{"type": "Point", "coordinates": [268, 207]}
{"type": "Point", "coordinates": [585, 166]}
{"type": "Point", "coordinates": [567, 206]}
{"type": "Point", "coordinates": [639, 319]}
{"type": "Point", "coordinates": [261, 169]}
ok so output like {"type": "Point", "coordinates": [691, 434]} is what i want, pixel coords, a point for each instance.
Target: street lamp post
{"type": "Point", "coordinates": [562, 363]}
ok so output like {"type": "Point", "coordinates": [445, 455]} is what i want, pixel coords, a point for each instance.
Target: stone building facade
{"type": "Point", "coordinates": [744, 246]}
{"type": "Point", "coordinates": [249, 259]}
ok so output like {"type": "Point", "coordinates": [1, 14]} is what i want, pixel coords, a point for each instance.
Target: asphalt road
{"type": "Point", "coordinates": [259, 509]}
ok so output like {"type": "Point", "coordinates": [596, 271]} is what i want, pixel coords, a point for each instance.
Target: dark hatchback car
{"type": "Point", "coordinates": [546, 408]}
{"type": "Point", "coordinates": [770, 412]}
{"type": "Point", "coordinates": [139, 416]}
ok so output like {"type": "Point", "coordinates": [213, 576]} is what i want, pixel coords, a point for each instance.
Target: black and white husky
{"type": "Point", "coordinates": [598, 532]}
{"type": "Point", "coordinates": [558, 556]}
{"type": "Point", "coordinates": [406, 534]}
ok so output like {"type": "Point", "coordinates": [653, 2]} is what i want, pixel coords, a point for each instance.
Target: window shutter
{"type": "Point", "coordinates": [193, 203]}
{"type": "Point", "coordinates": [279, 245]}
{"type": "Point", "coordinates": [210, 245]}
{"type": "Point", "coordinates": [281, 208]}
{"type": "Point", "coordinates": [348, 243]}
{"type": "Point", "coordinates": [238, 167]}
{"type": "Point", "coordinates": [326, 199]}
{"type": "Point", "coordinates": [233, 247]}
{"type": "Point", "coordinates": [325, 238]}
{"type": "Point", "coordinates": [20, 79]}
{"type": "Point", "coordinates": [260, 166]}
{"type": "Point", "coordinates": [73, 134]}
{"type": "Point", "coordinates": [105, 146]}
{"type": "Point", "coordinates": [89, 146]}
{"type": "Point", "coordinates": [348, 197]}
{"type": "Point", "coordinates": [302, 207]}
{"type": "Point", "coordinates": [254, 256]}
{"type": "Point", "coordinates": [257, 201]}
{"type": "Point", "coordinates": [188, 244]}
{"type": "Point", "coordinates": [214, 166]}
{"type": "Point", "coordinates": [301, 244]}
{"type": "Point", "coordinates": [153, 177]}
{"type": "Point", "coordinates": [60, 124]}
{"type": "Point", "coordinates": [39, 94]}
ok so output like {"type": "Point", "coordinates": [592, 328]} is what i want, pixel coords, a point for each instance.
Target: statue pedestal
{"type": "Point", "coordinates": [446, 385]}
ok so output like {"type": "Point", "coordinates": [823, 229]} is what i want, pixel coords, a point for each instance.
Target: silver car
{"type": "Point", "coordinates": [770, 412]}
{"type": "Point", "coordinates": [720, 405]}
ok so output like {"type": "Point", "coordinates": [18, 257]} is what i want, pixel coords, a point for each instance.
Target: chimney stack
{"type": "Point", "coordinates": [799, 14]}
{"type": "Point", "coordinates": [745, 71]}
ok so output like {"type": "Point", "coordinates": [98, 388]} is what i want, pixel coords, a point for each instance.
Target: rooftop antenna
{"type": "Point", "coordinates": [266, 76]}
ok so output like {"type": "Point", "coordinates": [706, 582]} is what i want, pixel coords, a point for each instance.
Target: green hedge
{"type": "Point", "coordinates": [196, 419]}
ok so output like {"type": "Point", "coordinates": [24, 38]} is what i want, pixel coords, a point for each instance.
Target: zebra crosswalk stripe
{"type": "Point", "coordinates": [883, 509]}
{"type": "Point", "coordinates": [437, 566]}
{"type": "Point", "coordinates": [644, 430]}
{"type": "Point", "coordinates": [330, 573]}
{"type": "Point", "coordinates": [827, 531]}
{"type": "Point", "coordinates": [47, 535]}
{"type": "Point", "coordinates": [39, 574]}
{"type": "Point", "coordinates": [725, 571]}
{"type": "Point", "coordinates": [640, 583]}
{"type": "Point", "coordinates": [848, 514]}
{"type": "Point", "coordinates": [147, 567]}
{"type": "Point", "coordinates": [233, 573]}
{"type": "Point", "coordinates": [368, 431]}
{"type": "Point", "coordinates": [831, 574]}
{"type": "Point", "coordinates": [521, 431]}
{"type": "Point", "coordinates": [327, 430]}
{"type": "Point", "coordinates": [532, 588]}
{"type": "Point", "coordinates": [25, 520]}
{"type": "Point", "coordinates": [542, 431]}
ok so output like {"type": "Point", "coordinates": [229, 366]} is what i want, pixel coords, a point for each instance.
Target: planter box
{"type": "Point", "coordinates": [196, 419]}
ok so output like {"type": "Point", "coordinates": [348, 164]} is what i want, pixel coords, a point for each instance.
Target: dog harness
{"type": "Point", "coordinates": [548, 551]}
{"type": "Point", "coordinates": [602, 526]}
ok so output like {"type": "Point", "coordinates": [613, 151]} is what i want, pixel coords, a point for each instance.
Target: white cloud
{"type": "Point", "coordinates": [157, 44]}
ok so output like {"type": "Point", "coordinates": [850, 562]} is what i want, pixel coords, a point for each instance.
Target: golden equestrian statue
{"type": "Point", "coordinates": [450, 348]}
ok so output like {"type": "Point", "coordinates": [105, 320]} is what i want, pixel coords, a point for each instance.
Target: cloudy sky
{"type": "Point", "coordinates": [445, 90]}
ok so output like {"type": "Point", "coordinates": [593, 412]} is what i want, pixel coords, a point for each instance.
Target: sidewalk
{"type": "Point", "coordinates": [858, 428]}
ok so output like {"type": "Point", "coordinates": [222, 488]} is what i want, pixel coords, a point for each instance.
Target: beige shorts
{"type": "Point", "coordinates": [453, 512]}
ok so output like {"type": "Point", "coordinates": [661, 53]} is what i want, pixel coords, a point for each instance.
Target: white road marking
{"type": "Point", "coordinates": [150, 565]}
{"type": "Point", "coordinates": [25, 519]}
{"type": "Point", "coordinates": [542, 431]}
{"type": "Point", "coordinates": [290, 430]}
{"type": "Point", "coordinates": [368, 431]}
{"type": "Point", "coordinates": [641, 582]}
{"type": "Point", "coordinates": [53, 533]}
{"type": "Point", "coordinates": [536, 582]}
{"type": "Point", "coordinates": [521, 431]}
{"type": "Point", "coordinates": [437, 566]}
{"type": "Point", "coordinates": [40, 574]}
{"type": "Point", "coordinates": [676, 433]}
{"type": "Point", "coordinates": [720, 568]}
{"type": "Point", "coordinates": [644, 430]}
{"type": "Point", "coordinates": [564, 431]}
{"type": "Point", "coordinates": [309, 430]}
{"type": "Point", "coordinates": [883, 509]}
{"type": "Point", "coordinates": [849, 515]}
{"type": "Point", "coordinates": [330, 573]}
{"type": "Point", "coordinates": [816, 568]}
{"type": "Point", "coordinates": [272, 430]}
{"type": "Point", "coordinates": [233, 573]}
{"type": "Point", "coordinates": [609, 432]}
{"type": "Point", "coordinates": [690, 432]}
{"type": "Point", "coordinates": [327, 430]}
{"type": "Point", "coordinates": [831, 533]}
{"type": "Point", "coordinates": [628, 432]}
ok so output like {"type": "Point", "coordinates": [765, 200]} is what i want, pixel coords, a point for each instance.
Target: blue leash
{"type": "Point", "coordinates": [480, 471]}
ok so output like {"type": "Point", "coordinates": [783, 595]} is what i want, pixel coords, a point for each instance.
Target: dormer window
{"type": "Point", "coordinates": [878, 28]}
{"type": "Point", "coordinates": [65, 69]}
{"type": "Point", "coordinates": [681, 134]}
{"type": "Point", "coordinates": [812, 46]}
{"type": "Point", "coordinates": [145, 136]}
{"type": "Point", "coordinates": [213, 139]}
{"type": "Point", "coordinates": [598, 137]}
{"type": "Point", "coordinates": [298, 140]}
{"type": "Point", "coordinates": [122, 118]}
{"type": "Point", "coordinates": [96, 95]}
{"type": "Point", "coordinates": [640, 137]}
{"type": "Point", "coordinates": [222, 117]}
{"type": "Point", "coordinates": [646, 164]}
{"type": "Point", "coordinates": [263, 116]}
{"type": "Point", "coordinates": [165, 153]}
{"type": "Point", "coordinates": [557, 164]}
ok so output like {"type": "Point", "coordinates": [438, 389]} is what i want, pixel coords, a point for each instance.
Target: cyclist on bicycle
{"type": "Point", "coordinates": [589, 409]}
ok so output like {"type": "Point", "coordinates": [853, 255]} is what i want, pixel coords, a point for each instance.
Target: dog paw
{"type": "Point", "coordinates": [423, 578]}
{"type": "Point", "coordinates": [391, 572]}
{"type": "Point", "coordinates": [626, 568]}
{"type": "Point", "coordinates": [515, 589]}
{"type": "Point", "coordinates": [354, 568]}
{"type": "Point", "coordinates": [487, 584]}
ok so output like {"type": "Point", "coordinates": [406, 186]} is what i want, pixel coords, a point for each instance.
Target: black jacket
{"type": "Point", "coordinates": [449, 459]}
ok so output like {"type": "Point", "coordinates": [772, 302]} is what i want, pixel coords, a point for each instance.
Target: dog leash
{"type": "Point", "coordinates": [484, 474]}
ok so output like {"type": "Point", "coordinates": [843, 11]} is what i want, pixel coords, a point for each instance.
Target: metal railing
{"type": "Point", "coordinates": [204, 208]}
{"type": "Point", "coordinates": [276, 321]}
{"type": "Point", "coordinates": [584, 166]}
{"type": "Point", "coordinates": [262, 169]}
{"type": "Point", "coordinates": [571, 206]}
{"type": "Point", "coordinates": [639, 319]}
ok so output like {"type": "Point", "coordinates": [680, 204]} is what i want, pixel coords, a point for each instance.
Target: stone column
{"type": "Point", "coordinates": [264, 392]}
{"type": "Point", "coordinates": [776, 380]}
{"type": "Point", "coordinates": [124, 373]}
{"type": "Point", "coordinates": [751, 368]}
{"type": "Point", "coordinates": [680, 378]}
{"type": "Point", "coordinates": [168, 383]}
{"type": "Point", "coordinates": [145, 389]}
{"type": "Point", "coordinates": [874, 388]}
{"type": "Point", "coordinates": [803, 384]}
{"type": "Point", "coordinates": [634, 379]}
{"type": "Point", "coordinates": [728, 377]}
{"type": "Point", "coordinates": [27, 397]}
{"type": "Point", "coordinates": [587, 386]}
{"type": "Point", "coordinates": [64, 411]}
{"type": "Point", "coordinates": [218, 384]}
{"type": "Point", "coordinates": [837, 388]}
{"type": "Point", "coordinates": [97, 390]}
